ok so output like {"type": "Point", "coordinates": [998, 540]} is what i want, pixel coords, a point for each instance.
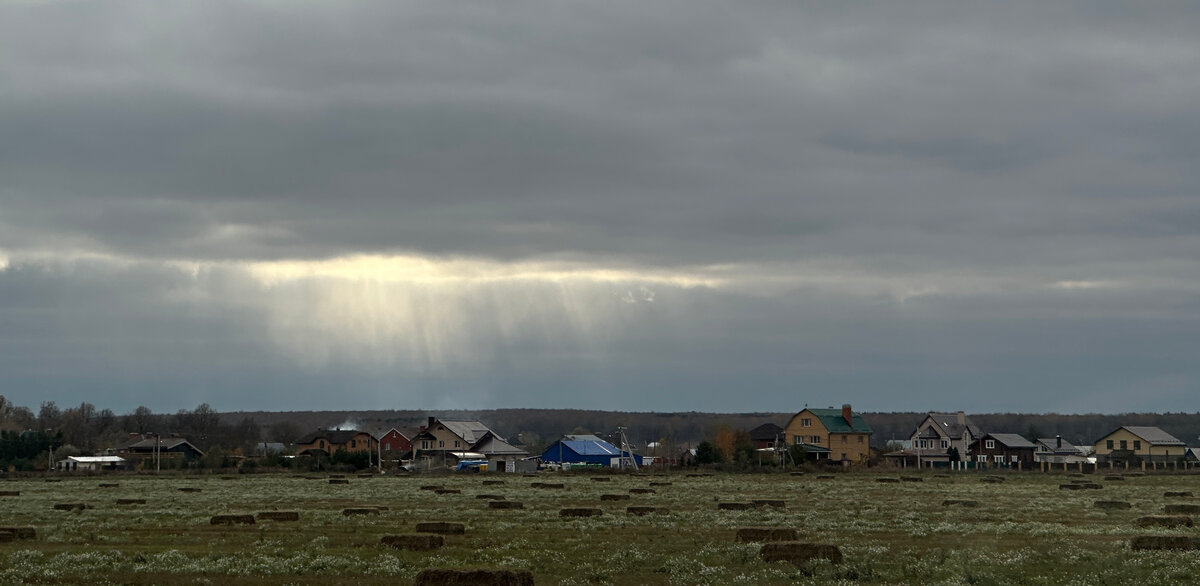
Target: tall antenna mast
{"type": "Point", "coordinates": [625, 449]}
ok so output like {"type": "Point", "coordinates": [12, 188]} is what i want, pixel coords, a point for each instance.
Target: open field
{"type": "Point", "coordinates": [1025, 529]}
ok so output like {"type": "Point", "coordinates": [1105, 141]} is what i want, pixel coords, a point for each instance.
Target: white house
{"type": "Point", "coordinates": [90, 463]}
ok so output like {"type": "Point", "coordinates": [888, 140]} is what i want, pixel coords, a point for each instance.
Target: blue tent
{"type": "Point", "coordinates": [584, 449]}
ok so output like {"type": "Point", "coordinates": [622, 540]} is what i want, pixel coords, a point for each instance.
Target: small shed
{"type": "Point", "coordinates": [90, 463]}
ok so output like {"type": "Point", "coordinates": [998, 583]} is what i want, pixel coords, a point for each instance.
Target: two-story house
{"type": "Point", "coordinates": [834, 434]}
{"type": "Point", "coordinates": [1056, 450]}
{"type": "Point", "coordinates": [933, 438]}
{"type": "Point", "coordinates": [1131, 443]}
{"type": "Point", "coordinates": [329, 441]}
{"type": "Point", "coordinates": [1003, 450]}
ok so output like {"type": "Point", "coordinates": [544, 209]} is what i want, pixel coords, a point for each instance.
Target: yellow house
{"type": "Point", "coordinates": [328, 441]}
{"type": "Point", "coordinates": [1141, 443]}
{"type": "Point", "coordinates": [831, 434]}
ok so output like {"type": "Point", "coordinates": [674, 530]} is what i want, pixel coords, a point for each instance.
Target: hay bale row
{"type": "Point", "coordinates": [279, 515]}
{"type": "Point", "coordinates": [1184, 509]}
{"type": "Point", "coordinates": [799, 553]}
{"type": "Point", "coordinates": [734, 506]}
{"type": "Point", "coordinates": [643, 511]}
{"type": "Point", "coordinates": [1176, 542]}
{"type": "Point", "coordinates": [580, 512]}
{"type": "Point", "coordinates": [1112, 505]}
{"type": "Point", "coordinates": [416, 542]}
{"type": "Point", "coordinates": [614, 497]}
{"type": "Point", "coordinates": [774, 503]}
{"type": "Point", "coordinates": [20, 532]}
{"type": "Point", "coordinates": [1178, 494]}
{"type": "Point", "coordinates": [960, 502]}
{"type": "Point", "coordinates": [131, 501]}
{"type": "Point", "coordinates": [506, 505]}
{"type": "Point", "coordinates": [231, 520]}
{"type": "Point", "coordinates": [766, 534]}
{"type": "Point", "coordinates": [70, 506]}
{"type": "Point", "coordinates": [360, 511]}
{"type": "Point", "coordinates": [436, 577]}
{"type": "Point", "coordinates": [1168, 521]}
{"type": "Point", "coordinates": [441, 528]}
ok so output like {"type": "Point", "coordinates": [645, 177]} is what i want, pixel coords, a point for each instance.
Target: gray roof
{"type": "Point", "coordinates": [1153, 435]}
{"type": "Point", "coordinates": [491, 445]}
{"type": "Point", "coordinates": [471, 431]}
{"type": "Point", "coordinates": [1010, 440]}
{"type": "Point", "coordinates": [950, 425]}
{"type": "Point", "coordinates": [1050, 444]}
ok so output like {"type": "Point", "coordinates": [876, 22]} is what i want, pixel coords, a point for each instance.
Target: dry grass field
{"type": "Point", "coordinates": [1026, 529]}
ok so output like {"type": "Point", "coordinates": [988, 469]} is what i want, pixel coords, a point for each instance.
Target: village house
{"type": "Point", "coordinates": [831, 434]}
{"type": "Point", "coordinates": [396, 443]}
{"type": "Point", "coordinates": [587, 449]}
{"type": "Point", "coordinates": [90, 463]}
{"type": "Point", "coordinates": [446, 441]}
{"type": "Point", "coordinates": [330, 441]}
{"type": "Point", "coordinates": [933, 438]}
{"type": "Point", "coordinates": [765, 436]}
{"type": "Point", "coordinates": [142, 449]}
{"type": "Point", "coordinates": [1056, 450]}
{"type": "Point", "coordinates": [1003, 450]}
{"type": "Point", "coordinates": [1138, 444]}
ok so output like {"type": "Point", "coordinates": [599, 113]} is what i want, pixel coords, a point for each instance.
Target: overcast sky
{"type": "Point", "coordinates": [668, 205]}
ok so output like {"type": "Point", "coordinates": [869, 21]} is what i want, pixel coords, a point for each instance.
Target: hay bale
{"type": "Point", "coordinates": [432, 487]}
{"type": "Point", "coordinates": [416, 542]}
{"type": "Point", "coordinates": [189, 489]}
{"type": "Point", "coordinates": [53, 480]}
{"type": "Point", "coordinates": [131, 501]}
{"type": "Point", "coordinates": [773, 503]}
{"type": "Point", "coordinates": [506, 505]}
{"type": "Point", "coordinates": [1115, 477]}
{"type": "Point", "coordinates": [600, 479]}
{"type": "Point", "coordinates": [911, 479]}
{"type": "Point", "coordinates": [338, 481]}
{"type": "Point", "coordinates": [1181, 509]}
{"type": "Point", "coordinates": [1080, 486]}
{"type": "Point", "coordinates": [699, 475]}
{"type": "Point", "coordinates": [434, 577]}
{"type": "Point", "coordinates": [642, 491]}
{"type": "Point", "coordinates": [70, 506]}
{"type": "Point", "coordinates": [360, 511]}
{"type": "Point", "coordinates": [493, 482]}
{"type": "Point", "coordinates": [766, 534]}
{"type": "Point", "coordinates": [580, 512]}
{"type": "Point", "coordinates": [441, 527]}
{"type": "Point", "coordinates": [887, 480]}
{"type": "Point", "coordinates": [1168, 521]}
{"type": "Point", "coordinates": [614, 497]}
{"type": "Point", "coordinates": [825, 477]}
{"type": "Point", "coordinates": [447, 491]}
{"type": "Point", "coordinates": [1175, 542]}
{"type": "Point", "coordinates": [992, 479]}
{"type": "Point", "coordinates": [548, 485]}
{"type": "Point", "coordinates": [337, 475]}
{"type": "Point", "coordinates": [231, 520]}
{"type": "Point", "coordinates": [734, 506]}
{"type": "Point", "coordinates": [1112, 505]}
{"type": "Point", "coordinates": [960, 502]}
{"type": "Point", "coordinates": [108, 485]}
{"type": "Point", "coordinates": [10, 493]}
{"type": "Point", "coordinates": [798, 553]}
{"type": "Point", "coordinates": [643, 511]}
{"type": "Point", "coordinates": [1178, 494]}
{"type": "Point", "coordinates": [491, 497]}
{"type": "Point", "coordinates": [6, 536]}
{"type": "Point", "coordinates": [279, 515]}
{"type": "Point", "coordinates": [660, 484]}
{"type": "Point", "coordinates": [20, 532]}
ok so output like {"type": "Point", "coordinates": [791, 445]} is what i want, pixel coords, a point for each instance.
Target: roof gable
{"type": "Point", "coordinates": [1010, 440]}
{"type": "Point", "coordinates": [834, 422]}
{"type": "Point", "coordinates": [1152, 435]}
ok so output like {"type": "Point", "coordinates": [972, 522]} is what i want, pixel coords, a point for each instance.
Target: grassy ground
{"type": "Point", "coordinates": [1025, 530]}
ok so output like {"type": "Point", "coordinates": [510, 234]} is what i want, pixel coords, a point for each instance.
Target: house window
{"type": "Point", "coordinates": [843, 439]}
{"type": "Point", "coordinates": [425, 444]}
{"type": "Point", "coordinates": [860, 439]}
{"type": "Point", "coordinates": [805, 422]}
{"type": "Point", "coordinates": [1124, 445]}
{"type": "Point", "coordinates": [945, 443]}
{"type": "Point", "coordinates": [981, 458]}
{"type": "Point", "coordinates": [387, 447]}
{"type": "Point", "coordinates": [1137, 444]}
{"type": "Point", "coordinates": [1109, 444]}
{"type": "Point", "coordinates": [354, 443]}
{"type": "Point", "coordinates": [990, 444]}
{"type": "Point", "coordinates": [999, 459]}
{"type": "Point", "coordinates": [456, 443]}
{"type": "Point", "coordinates": [843, 456]}
{"type": "Point", "coordinates": [1013, 458]}
{"type": "Point", "coordinates": [441, 444]}
{"type": "Point", "coordinates": [815, 440]}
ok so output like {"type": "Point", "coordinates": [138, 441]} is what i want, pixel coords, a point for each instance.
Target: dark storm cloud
{"type": "Point", "coordinates": [832, 198]}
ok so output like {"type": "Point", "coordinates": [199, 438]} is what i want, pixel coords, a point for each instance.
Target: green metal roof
{"type": "Point", "coordinates": [834, 422]}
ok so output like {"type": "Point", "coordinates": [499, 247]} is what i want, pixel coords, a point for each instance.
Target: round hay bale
{"type": "Point", "coordinates": [773, 503]}
{"type": "Point", "coordinates": [437, 577]}
{"type": "Point", "coordinates": [642, 491]}
{"type": "Point", "coordinates": [506, 505]}
{"type": "Point", "coordinates": [20, 532]}
{"type": "Point", "coordinates": [600, 479]}
{"type": "Point", "coordinates": [417, 542]}
{"type": "Point", "coordinates": [1175, 542]}
{"type": "Point", "coordinates": [360, 511]}
{"type": "Point", "coordinates": [580, 512]}
{"type": "Point", "coordinates": [131, 501]}
{"type": "Point", "coordinates": [70, 506]}
{"type": "Point", "coordinates": [338, 481]}
{"type": "Point", "coordinates": [231, 520]}
{"type": "Point", "coordinates": [441, 528]}
{"type": "Point", "coordinates": [766, 534]}
{"type": "Point", "coordinates": [614, 497]}
{"type": "Point", "coordinates": [960, 502]}
{"type": "Point", "coordinates": [447, 491]}
{"type": "Point", "coordinates": [1168, 521]}
{"type": "Point", "coordinates": [1181, 509]}
{"type": "Point", "coordinates": [734, 506]}
{"type": "Point", "coordinates": [643, 511]}
{"type": "Point", "coordinates": [1112, 505]}
{"type": "Point", "coordinates": [10, 493]}
{"type": "Point", "coordinates": [1178, 494]}
{"type": "Point", "coordinates": [799, 553]}
{"type": "Point", "coordinates": [189, 489]}
{"type": "Point", "coordinates": [279, 515]}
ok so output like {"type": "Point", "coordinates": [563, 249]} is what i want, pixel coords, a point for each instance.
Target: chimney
{"type": "Point", "coordinates": [847, 414]}
{"type": "Point", "coordinates": [430, 424]}
{"type": "Point", "coordinates": [962, 418]}
{"type": "Point", "coordinates": [1058, 441]}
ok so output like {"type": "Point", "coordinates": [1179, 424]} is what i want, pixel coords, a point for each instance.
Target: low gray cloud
{"type": "Point", "coordinates": [426, 204]}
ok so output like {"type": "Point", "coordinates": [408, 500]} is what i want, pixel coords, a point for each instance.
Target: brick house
{"type": "Point", "coordinates": [833, 434]}
{"type": "Point", "coordinates": [329, 441]}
